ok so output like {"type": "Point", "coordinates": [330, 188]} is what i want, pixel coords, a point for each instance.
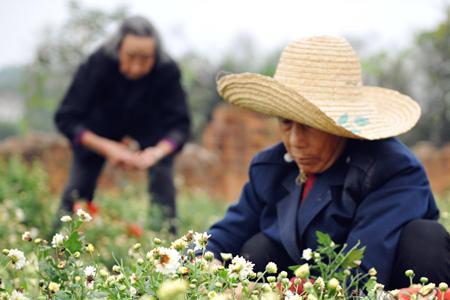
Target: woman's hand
{"type": "Point", "coordinates": [152, 155]}
{"type": "Point", "coordinates": [120, 155]}
{"type": "Point", "coordinates": [148, 157]}
{"type": "Point", "coordinates": [116, 153]}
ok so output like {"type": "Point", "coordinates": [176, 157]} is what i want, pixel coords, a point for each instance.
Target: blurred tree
{"type": "Point", "coordinates": [423, 72]}
{"type": "Point", "coordinates": [199, 75]}
{"type": "Point", "coordinates": [432, 56]}
{"type": "Point", "coordinates": [57, 56]}
{"type": "Point", "coordinates": [198, 79]}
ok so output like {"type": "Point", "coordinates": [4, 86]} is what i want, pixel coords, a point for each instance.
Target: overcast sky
{"type": "Point", "coordinates": [208, 26]}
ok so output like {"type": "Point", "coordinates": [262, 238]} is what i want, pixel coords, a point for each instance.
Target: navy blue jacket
{"type": "Point", "coordinates": [104, 101]}
{"type": "Point", "coordinates": [369, 194]}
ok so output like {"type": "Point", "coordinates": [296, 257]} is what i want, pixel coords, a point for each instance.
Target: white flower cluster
{"type": "Point", "coordinates": [58, 240]}
{"type": "Point", "coordinates": [240, 268]}
{"type": "Point", "coordinates": [84, 216]}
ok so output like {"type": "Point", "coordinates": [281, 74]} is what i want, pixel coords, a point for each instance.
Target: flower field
{"type": "Point", "coordinates": [109, 256]}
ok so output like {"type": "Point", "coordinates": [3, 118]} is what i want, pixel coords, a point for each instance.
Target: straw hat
{"type": "Point", "coordinates": [318, 83]}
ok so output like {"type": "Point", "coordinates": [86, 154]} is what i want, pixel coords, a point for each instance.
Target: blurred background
{"type": "Point", "coordinates": [404, 45]}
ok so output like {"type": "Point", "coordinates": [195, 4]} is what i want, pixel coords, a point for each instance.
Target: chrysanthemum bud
{"type": "Point", "coordinates": [226, 256]}
{"type": "Point", "coordinates": [271, 268]}
{"type": "Point", "coordinates": [443, 287]}
{"type": "Point", "coordinates": [53, 287]}
{"type": "Point", "coordinates": [423, 280]}
{"type": "Point", "coordinates": [409, 273]}
{"type": "Point", "coordinates": [209, 256]}
{"type": "Point", "coordinates": [302, 271]}
{"type": "Point", "coordinates": [116, 269]}
{"type": "Point", "coordinates": [333, 283]}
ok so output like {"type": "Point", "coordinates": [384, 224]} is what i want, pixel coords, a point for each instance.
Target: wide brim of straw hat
{"type": "Point", "coordinates": [380, 113]}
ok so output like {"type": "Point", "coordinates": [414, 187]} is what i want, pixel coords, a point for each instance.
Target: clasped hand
{"type": "Point", "coordinates": [119, 155]}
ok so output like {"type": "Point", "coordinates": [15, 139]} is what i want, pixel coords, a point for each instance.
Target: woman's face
{"type": "Point", "coordinates": [313, 150]}
{"type": "Point", "coordinates": [136, 56]}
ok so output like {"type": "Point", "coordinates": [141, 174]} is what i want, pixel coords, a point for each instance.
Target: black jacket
{"type": "Point", "coordinates": [102, 100]}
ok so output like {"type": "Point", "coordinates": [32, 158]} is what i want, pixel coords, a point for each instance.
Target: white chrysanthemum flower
{"type": "Point", "coordinates": [53, 287]}
{"type": "Point", "coordinates": [66, 219]}
{"type": "Point", "coordinates": [89, 271]}
{"type": "Point", "coordinates": [240, 267]}
{"type": "Point", "coordinates": [16, 295]}
{"type": "Point", "coordinates": [84, 216]}
{"type": "Point", "coordinates": [17, 258]}
{"type": "Point", "coordinates": [200, 240]}
{"type": "Point", "coordinates": [26, 236]}
{"type": "Point", "coordinates": [133, 291]}
{"type": "Point", "coordinates": [167, 261]}
{"type": "Point", "coordinates": [307, 254]}
{"type": "Point", "coordinates": [58, 240]}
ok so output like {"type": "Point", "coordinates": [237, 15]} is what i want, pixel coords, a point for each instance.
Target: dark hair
{"type": "Point", "coordinates": [136, 25]}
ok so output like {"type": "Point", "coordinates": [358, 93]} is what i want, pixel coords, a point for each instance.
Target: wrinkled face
{"type": "Point", "coordinates": [313, 150]}
{"type": "Point", "coordinates": [136, 56]}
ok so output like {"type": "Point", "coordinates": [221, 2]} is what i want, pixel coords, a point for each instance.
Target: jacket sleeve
{"type": "Point", "coordinates": [400, 193]}
{"type": "Point", "coordinates": [241, 221]}
{"type": "Point", "coordinates": [174, 109]}
{"type": "Point", "coordinates": [76, 104]}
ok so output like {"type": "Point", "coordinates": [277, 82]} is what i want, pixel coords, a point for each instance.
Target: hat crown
{"type": "Point", "coordinates": [321, 68]}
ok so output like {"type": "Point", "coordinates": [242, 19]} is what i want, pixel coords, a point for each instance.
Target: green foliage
{"type": "Point", "coordinates": [25, 187]}
{"type": "Point", "coordinates": [184, 270]}
{"type": "Point", "coordinates": [444, 207]}
{"type": "Point", "coordinates": [421, 71]}
{"type": "Point", "coordinates": [56, 268]}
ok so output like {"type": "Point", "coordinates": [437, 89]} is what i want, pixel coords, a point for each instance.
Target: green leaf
{"type": "Point", "coordinates": [73, 243]}
{"type": "Point", "coordinates": [353, 255]}
{"type": "Point", "coordinates": [293, 268]}
{"type": "Point", "coordinates": [323, 239]}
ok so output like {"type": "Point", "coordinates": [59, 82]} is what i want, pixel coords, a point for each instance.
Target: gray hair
{"type": "Point", "coordinates": [136, 25]}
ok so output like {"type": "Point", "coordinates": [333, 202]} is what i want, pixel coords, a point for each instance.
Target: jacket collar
{"type": "Point", "coordinates": [293, 221]}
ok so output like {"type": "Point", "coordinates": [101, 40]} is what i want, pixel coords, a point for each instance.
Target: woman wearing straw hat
{"type": "Point", "coordinates": [338, 169]}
